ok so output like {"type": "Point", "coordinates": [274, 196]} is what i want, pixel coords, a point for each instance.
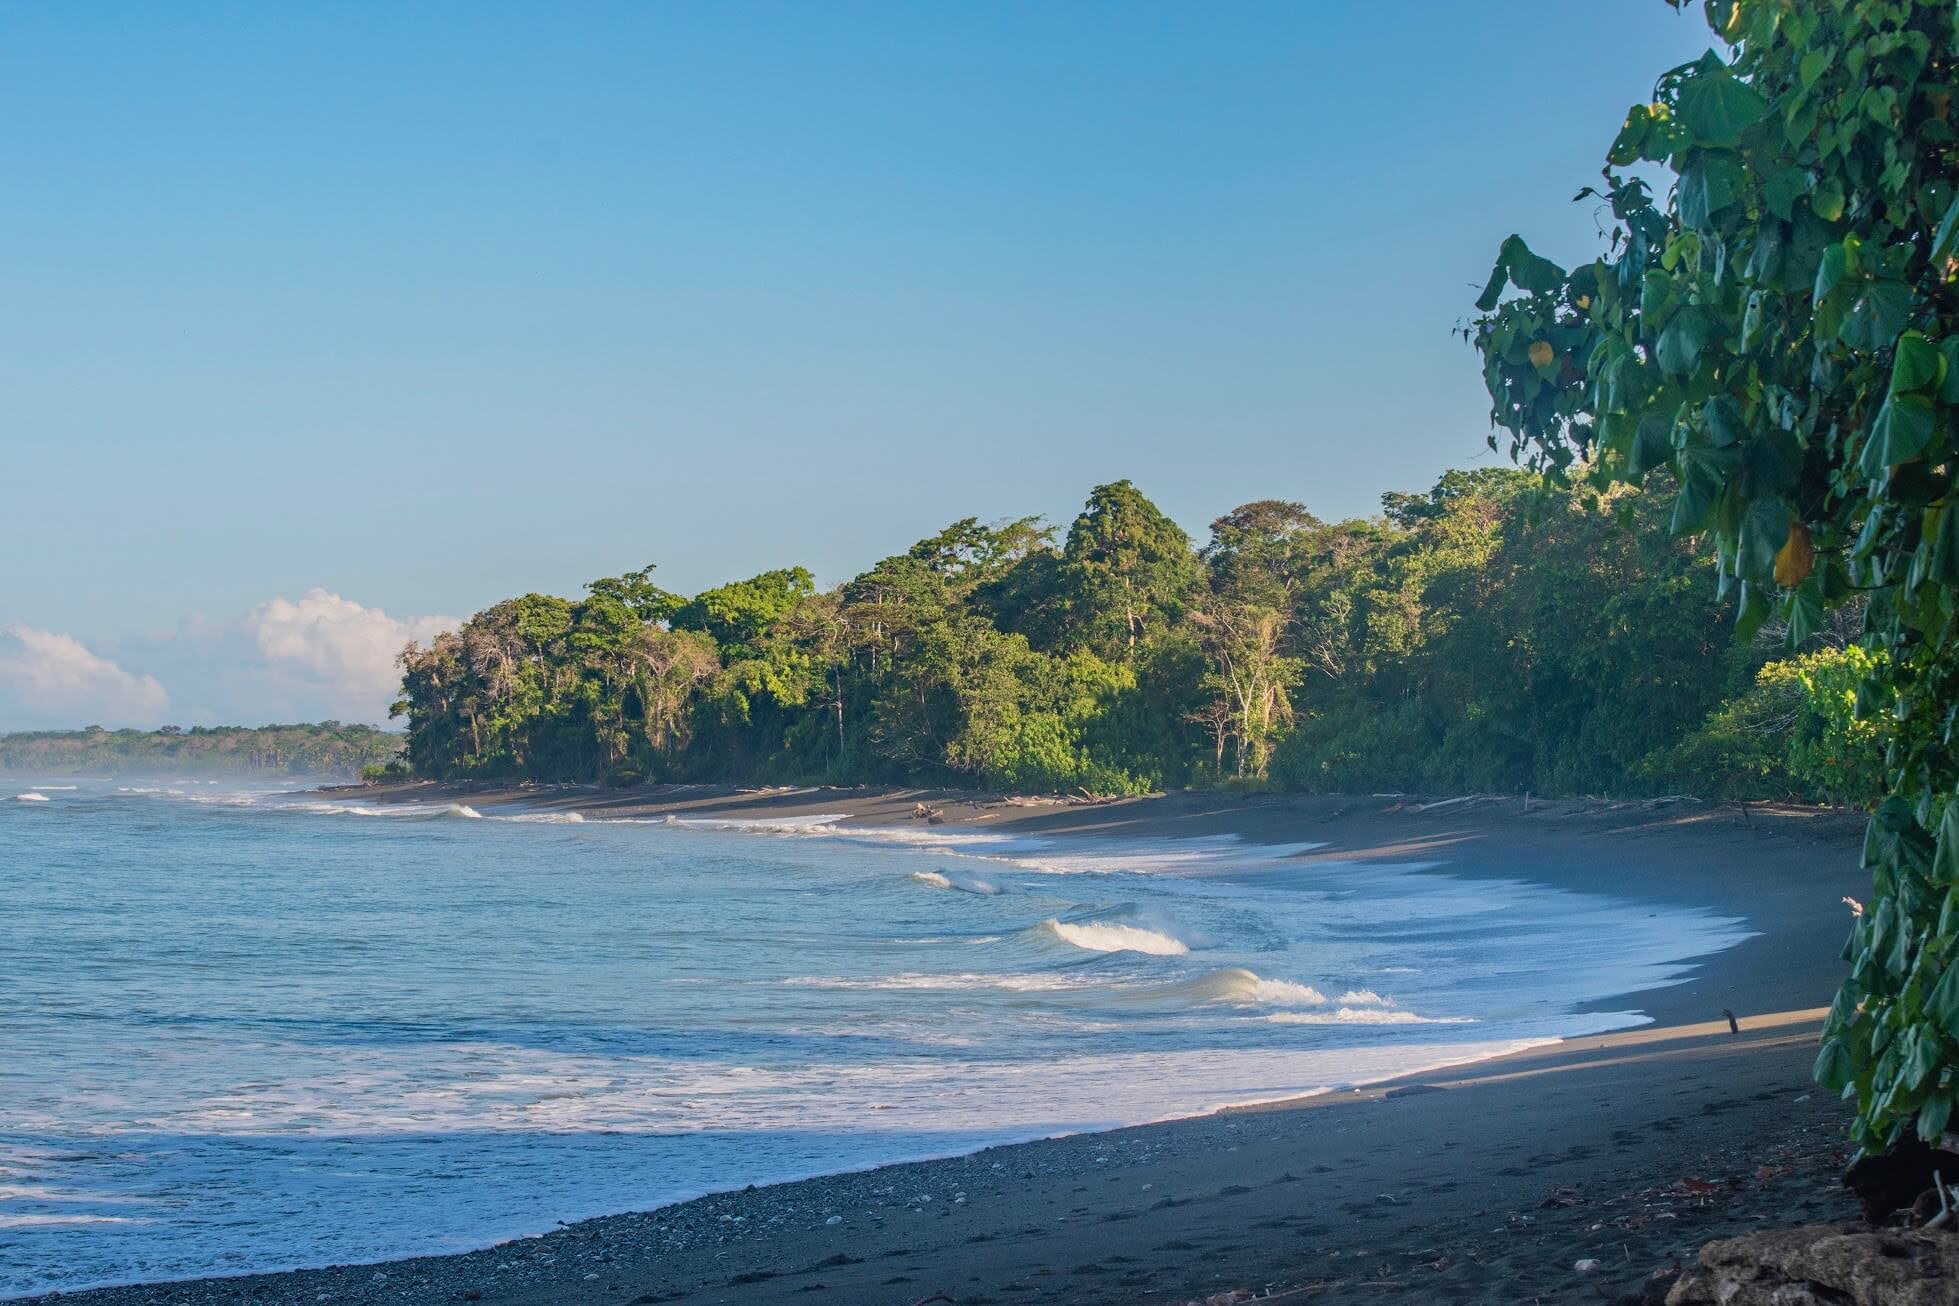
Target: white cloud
{"type": "Point", "coordinates": [339, 648]}
{"type": "Point", "coordinates": [315, 657]}
{"type": "Point", "coordinates": [48, 679]}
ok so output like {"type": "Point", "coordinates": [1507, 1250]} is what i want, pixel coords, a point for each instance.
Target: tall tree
{"type": "Point", "coordinates": [1127, 569]}
{"type": "Point", "coordinates": [1781, 331]}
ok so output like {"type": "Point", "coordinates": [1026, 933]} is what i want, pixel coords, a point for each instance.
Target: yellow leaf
{"type": "Point", "coordinates": [1541, 353]}
{"type": "Point", "coordinates": [1795, 558]}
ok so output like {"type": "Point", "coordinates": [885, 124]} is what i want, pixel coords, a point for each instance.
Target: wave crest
{"type": "Point", "coordinates": [1101, 936]}
{"type": "Point", "coordinates": [956, 881]}
{"type": "Point", "coordinates": [1362, 1016]}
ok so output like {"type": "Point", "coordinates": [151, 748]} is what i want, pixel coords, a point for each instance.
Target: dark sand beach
{"type": "Point", "coordinates": [1585, 1171]}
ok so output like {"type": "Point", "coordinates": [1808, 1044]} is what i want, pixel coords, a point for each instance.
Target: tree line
{"type": "Point", "coordinates": [327, 748]}
{"type": "Point", "coordinates": [1486, 635]}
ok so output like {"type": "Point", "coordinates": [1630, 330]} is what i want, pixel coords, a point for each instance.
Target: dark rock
{"type": "Point", "coordinates": [1892, 1180]}
{"type": "Point", "coordinates": [1824, 1265]}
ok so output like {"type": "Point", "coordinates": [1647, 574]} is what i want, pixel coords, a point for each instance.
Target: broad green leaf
{"type": "Point", "coordinates": [1944, 563]}
{"type": "Point", "coordinates": [1921, 1060]}
{"type": "Point", "coordinates": [1529, 271]}
{"type": "Point", "coordinates": [1827, 200]}
{"type": "Point", "coordinates": [1934, 1116]}
{"type": "Point", "coordinates": [1902, 430]}
{"type": "Point", "coordinates": [1725, 425]}
{"type": "Point", "coordinates": [1710, 181]}
{"type": "Point", "coordinates": [1716, 106]}
{"type": "Point", "coordinates": [1805, 614]}
{"type": "Point", "coordinates": [1763, 529]}
{"type": "Point", "coordinates": [1516, 264]}
{"type": "Point", "coordinates": [1949, 387]}
{"type": "Point", "coordinates": [1626, 147]}
{"type": "Point", "coordinates": [1876, 315]}
{"type": "Point", "coordinates": [1493, 289]}
{"type": "Point", "coordinates": [1942, 1004]}
{"type": "Point", "coordinates": [1681, 344]}
{"type": "Point", "coordinates": [1948, 231]}
{"type": "Point", "coordinates": [1655, 290]}
{"type": "Point", "coordinates": [1701, 484]}
{"type": "Point", "coordinates": [1752, 320]}
{"type": "Point", "coordinates": [1765, 255]}
{"type": "Point", "coordinates": [1945, 861]}
{"type": "Point", "coordinates": [1831, 309]}
{"type": "Point", "coordinates": [1834, 1068]}
{"type": "Point", "coordinates": [1652, 445]}
{"type": "Point", "coordinates": [1751, 612]}
{"type": "Point", "coordinates": [1813, 66]}
{"type": "Point", "coordinates": [1918, 365]}
{"type": "Point", "coordinates": [1880, 105]}
{"type": "Point", "coordinates": [1834, 267]}
{"type": "Point", "coordinates": [1785, 187]}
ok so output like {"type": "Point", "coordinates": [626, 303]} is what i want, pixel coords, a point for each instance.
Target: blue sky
{"type": "Point", "coordinates": [420, 306]}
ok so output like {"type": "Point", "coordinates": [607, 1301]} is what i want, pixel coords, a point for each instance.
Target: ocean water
{"type": "Point", "coordinates": [241, 1030]}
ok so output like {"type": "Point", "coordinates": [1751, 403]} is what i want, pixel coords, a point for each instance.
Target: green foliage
{"type": "Point", "coordinates": [328, 749]}
{"type": "Point", "coordinates": [1779, 333]}
{"type": "Point", "coordinates": [1795, 732]}
{"type": "Point", "coordinates": [1498, 639]}
{"type": "Point", "coordinates": [1481, 635]}
{"type": "Point", "coordinates": [1126, 572]}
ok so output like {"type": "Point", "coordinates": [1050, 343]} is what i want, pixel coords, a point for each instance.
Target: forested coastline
{"type": "Point", "coordinates": [1486, 635]}
{"type": "Point", "coordinates": [326, 748]}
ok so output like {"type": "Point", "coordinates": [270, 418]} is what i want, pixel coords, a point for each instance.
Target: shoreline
{"type": "Point", "coordinates": [1781, 869]}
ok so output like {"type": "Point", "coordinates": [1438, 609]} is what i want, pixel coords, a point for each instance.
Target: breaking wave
{"type": "Point", "coordinates": [1100, 936]}
{"type": "Point", "coordinates": [405, 811]}
{"type": "Point", "coordinates": [957, 881]}
{"type": "Point", "coordinates": [1362, 1016]}
{"type": "Point", "coordinates": [819, 823]}
{"type": "Point", "coordinates": [967, 981]}
{"type": "Point", "coordinates": [1237, 986]}
{"type": "Point", "coordinates": [31, 798]}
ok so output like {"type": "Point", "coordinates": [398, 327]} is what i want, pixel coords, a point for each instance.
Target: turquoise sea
{"type": "Point", "coordinates": [243, 1029]}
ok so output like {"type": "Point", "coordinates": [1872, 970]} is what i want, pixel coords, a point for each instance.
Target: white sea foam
{"type": "Point", "coordinates": [1235, 984]}
{"type": "Point", "coordinates": [1239, 986]}
{"type": "Point", "coordinates": [396, 811]}
{"type": "Point", "coordinates": [1049, 855]}
{"type": "Point", "coordinates": [1362, 1016]}
{"type": "Point", "coordinates": [1104, 936]}
{"type": "Point", "coordinates": [31, 798]}
{"type": "Point", "coordinates": [55, 788]}
{"type": "Point", "coordinates": [818, 823]}
{"type": "Point", "coordinates": [958, 881]}
{"type": "Point", "coordinates": [966, 981]}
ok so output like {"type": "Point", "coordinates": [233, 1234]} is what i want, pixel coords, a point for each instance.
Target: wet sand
{"type": "Point", "coordinates": [1489, 1183]}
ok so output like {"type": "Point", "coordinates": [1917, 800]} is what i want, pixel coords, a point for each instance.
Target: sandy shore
{"type": "Point", "coordinates": [1489, 1183]}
